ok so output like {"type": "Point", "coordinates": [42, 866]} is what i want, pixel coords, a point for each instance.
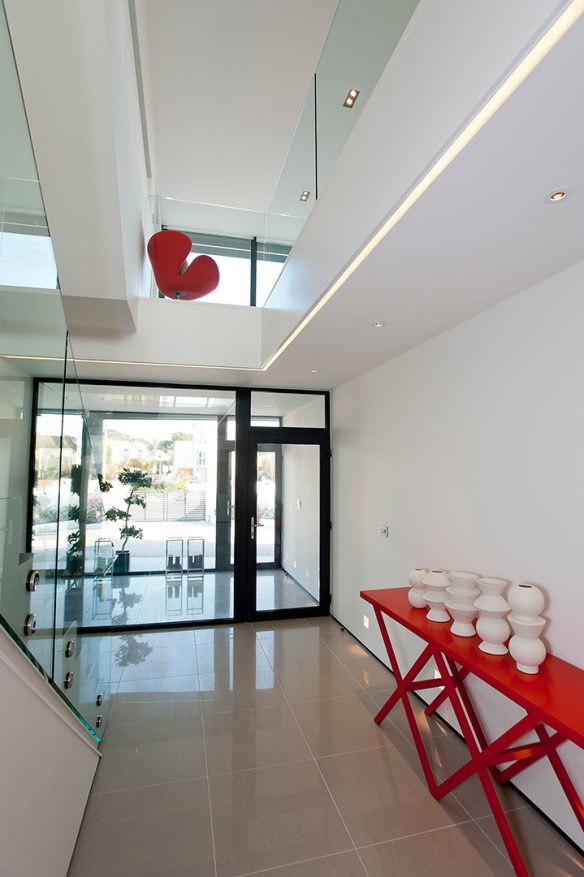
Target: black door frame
{"type": "Point", "coordinates": [289, 436]}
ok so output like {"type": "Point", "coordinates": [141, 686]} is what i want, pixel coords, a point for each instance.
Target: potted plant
{"type": "Point", "coordinates": [75, 556]}
{"type": "Point", "coordinates": [137, 480]}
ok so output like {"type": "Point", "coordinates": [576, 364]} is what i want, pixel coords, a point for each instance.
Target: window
{"type": "Point", "coordinates": [248, 269]}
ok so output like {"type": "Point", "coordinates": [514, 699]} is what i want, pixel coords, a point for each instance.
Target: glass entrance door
{"type": "Point", "coordinates": [286, 528]}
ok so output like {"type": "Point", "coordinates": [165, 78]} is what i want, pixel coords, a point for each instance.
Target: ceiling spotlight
{"type": "Point", "coordinates": [352, 96]}
{"type": "Point", "coordinates": [558, 196]}
{"type": "Point", "coordinates": [305, 196]}
{"type": "Point", "coordinates": [314, 371]}
{"type": "Point", "coordinates": [378, 325]}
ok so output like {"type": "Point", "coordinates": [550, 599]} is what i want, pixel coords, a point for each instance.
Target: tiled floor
{"type": "Point", "coordinates": [252, 749]}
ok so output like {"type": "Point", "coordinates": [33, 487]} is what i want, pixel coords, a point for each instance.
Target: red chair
{"type": "Point", "coordinates": [168, 251]}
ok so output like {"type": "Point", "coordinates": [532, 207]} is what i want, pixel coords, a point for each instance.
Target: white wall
{"type": "Point", "coordinates": [47, 766]}
{"type": "Point", "coordinates": [301, 515]}
{"type": "Point", "coordinates": [470, 447]}
{"type": "Point", "coordinates": [181, 332]}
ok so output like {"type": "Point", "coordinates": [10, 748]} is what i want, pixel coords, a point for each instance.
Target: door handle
{"type": "Point", "coordinates": [254, 527]}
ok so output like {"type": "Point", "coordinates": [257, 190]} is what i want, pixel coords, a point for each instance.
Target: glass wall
{"type": "Point", "coordinates": [26, 252]}
{"type": "Point", "coordinates": [165, 458]}
{"type": "Point", "coordinates": [42, 449]}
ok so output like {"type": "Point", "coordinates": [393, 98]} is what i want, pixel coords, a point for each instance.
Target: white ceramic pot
{"type": "Point", "coordinates": [416, 592]}
{"type": "Point", "coordinates": [526, 601]}
{"type": "Point", "coordinates": [463, 617]}
{"type": "Point", "coordinates": [462, 582]}
{"type": "Point", "coordinates": [436, 582]}
{"type": "Point", "coordinates": [494, 632]}
{"type": "Point", "coordinates": [492, 627]}
{"type": "Point", "coordinates": [462, 599]}
{"type": "Point", "coordinates": [527, 649]}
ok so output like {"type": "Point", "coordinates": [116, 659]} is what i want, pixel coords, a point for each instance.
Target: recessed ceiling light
{"type": "Point", "coordinates": [314, 371]}
{"type": "Point", "coordinates": [558, 196]}
{"type": "Point", "coordinates": [378, 325]}
{"type": "Point", "coordinates": [305, 196]}
{"type": "Point", "coordinates": [352, 96]}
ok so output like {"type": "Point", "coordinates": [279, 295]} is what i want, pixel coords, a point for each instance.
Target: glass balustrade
{"type": "Point", "coordinates": [49, 490]}
{"type": "Point", "coordinates": [26, 252]}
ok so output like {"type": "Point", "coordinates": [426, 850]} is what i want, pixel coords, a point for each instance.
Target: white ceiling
{"type": "Point", "coordinates": [481, 234]}
{"type": "Point", "coordinates": [226, 84]}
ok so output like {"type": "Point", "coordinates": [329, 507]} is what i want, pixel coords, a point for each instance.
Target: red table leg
{"type": "Point", "coordinates": [481, 770]}
{"type": "Point", "coordinates": [562, 775]}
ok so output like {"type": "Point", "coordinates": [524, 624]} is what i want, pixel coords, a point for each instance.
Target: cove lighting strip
{"type": "Point", "coordinates": [80, 361]}
{"type": "Point", "coordinates": [534, 57]}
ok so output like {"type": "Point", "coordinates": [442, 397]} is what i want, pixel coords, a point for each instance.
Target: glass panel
{"type": "Point", "coordinates": [292, 202]}
{"type": "Point", "coordinates": [26, 252]}
{"type": "Point", "coordinates": [40, 331]}
{"type": "Point", "coordinates": [362, 38]}
{"type": "Point", "coordinates": [286, 528]}
{"type": "Point", "coordinates": [288, 409]}
{"type": "Point", "coordinates": [224, 233]}
{"type": "Point", "coordinates": [232, 256]}
{"type": "Point", "coordinates": [84, 581]}
{"type": "Point", "coordinates": [166, 456]}
{"type": "Point", "coordinates": [42, 536]}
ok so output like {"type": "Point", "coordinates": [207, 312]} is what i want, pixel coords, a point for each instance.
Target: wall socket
{"type": "Point", "coordinates": [384, 531]}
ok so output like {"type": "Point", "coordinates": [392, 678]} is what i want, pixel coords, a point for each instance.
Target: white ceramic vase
{"type": "Point", "coordinates": [527, 649]}
{"type": "Point", "coordinates": [461, 595]}
{"type": "Point", "coordinates": [416, 592]}
{"type": "Point", "coordinates": [492, 626]}
{"type": "Point", "coordinates": [436, 582]}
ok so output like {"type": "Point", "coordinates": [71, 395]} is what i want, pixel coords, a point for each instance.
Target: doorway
{"type": "Point", "coordinates": [286, 528]}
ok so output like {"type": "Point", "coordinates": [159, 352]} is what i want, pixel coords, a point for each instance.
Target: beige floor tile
{"type": "Point", "coordinates": [461, 849]}
{"type": "Point", "coordinates": [543, 849]}
{"type": "Point", "coordinates": [232, 653]}
{"type": "Point", "coordinates": [447, 753]}
{"type": "Point", "coordinates": [148, 712]}
{"type": "Point", "coordinates": [159, 830]}
{"type": "Point", "coordinates": [268, 628]}
{"type": "Point", "coordinates": [207, 635]}
{"type": "Point", "coordinates": [430, 726]}
{"type": "Point", "coordinates": [325, 623]}
{"type": "Point", "coordinates": [239, 689]}
{"type": "Point", "coordinates": [251, 738]}
{"type": "Point", "coordinates": [337, 865]}
{"type": "Point", "coordinates": [273, 816]}
{"type": "Point", "coordinates": [314, 681]}
{"type": "Point", "coordinates": [158, 752]}
{"type": "Point", "coordinates": [343, 724]}
{"type": "Point", "coordinates": [160, 663]}
{"type": "Point", "coordinates": [154, 689]}
{"type": "Point", "coordinates": [381, 794]}
{"type": "Point", "coordinates": [370, 672]}
{"type": "Point", "coordinates": [296, 647]}
{"type": "Point", "coordinates": [343, 644]}
{"type": "Point", "coordinates": [165, 639]}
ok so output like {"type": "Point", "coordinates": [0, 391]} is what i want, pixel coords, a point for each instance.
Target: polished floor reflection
{"type": "Point", "coordinates": [162, 598]}
{"type": "Point", "coordinates": [246, 749]}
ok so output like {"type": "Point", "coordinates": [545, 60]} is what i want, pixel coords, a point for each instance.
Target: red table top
{"type": "Point", "coordinates": [556, 693]}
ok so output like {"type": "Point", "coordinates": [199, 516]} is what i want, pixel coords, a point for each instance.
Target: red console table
{"type": "Point", "coordinates": [553, 699]}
